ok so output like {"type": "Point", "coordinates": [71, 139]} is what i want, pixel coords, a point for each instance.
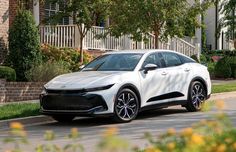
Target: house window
{"type": "Point", "coordinates": [51, 9]}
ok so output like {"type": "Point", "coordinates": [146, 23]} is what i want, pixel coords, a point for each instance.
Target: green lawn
{"type": "Point", "coordinates": [224, 88]}
{"type": "Point", "coordinates": [17, 110]}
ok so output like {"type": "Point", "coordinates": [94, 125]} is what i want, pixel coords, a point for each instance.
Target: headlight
{"type": "Point", "coordinates": [98, 88]}
{"type": "Point", "coordinates": [44, 91]}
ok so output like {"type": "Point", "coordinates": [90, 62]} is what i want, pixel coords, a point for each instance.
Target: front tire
{"type": "Point", "coordinates": [196, 96]}
{"type": "Point", "coordinates": [62, 118]}
{"type": "Point", "coordinates": [126, 106]}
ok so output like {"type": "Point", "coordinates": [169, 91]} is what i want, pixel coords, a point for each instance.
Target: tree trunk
{"type": "Point", "coordinates": [81, 49]}
{"type": "Point", "coordinates": [156, 40]}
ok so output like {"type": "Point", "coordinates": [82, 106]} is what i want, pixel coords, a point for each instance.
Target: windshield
{"type": "Point", "coordinates": [114, 62]}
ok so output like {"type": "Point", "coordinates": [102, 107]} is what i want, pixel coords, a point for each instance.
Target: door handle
{"type": "Point", "coordinates": [187, 70]}
{"type": "Point", "coordinates": [163, 73]}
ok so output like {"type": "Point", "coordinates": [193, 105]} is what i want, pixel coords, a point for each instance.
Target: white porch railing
{"type": "Point", "coordinates": [68, 36]}
{"type": "Point", "coordinates": [108, 43]}
{"type": "Point", "coordinates": [59, 35]}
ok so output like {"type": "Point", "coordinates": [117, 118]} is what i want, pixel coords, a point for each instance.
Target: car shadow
{"type": "Point", "coordinates": [160, 112]}
{"type": "Point", "coordinates": [100, 121]}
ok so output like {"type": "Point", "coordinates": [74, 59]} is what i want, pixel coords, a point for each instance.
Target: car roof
{"type": "Point", "coordinates": [139, 51]}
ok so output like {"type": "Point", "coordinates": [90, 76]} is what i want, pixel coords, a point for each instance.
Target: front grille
{"type": "Point", "coordinates": [72, 102]}
{"type": "Point", "coordinates": [66, 91]}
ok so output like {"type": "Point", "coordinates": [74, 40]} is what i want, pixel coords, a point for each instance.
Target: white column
{"type": "Point", "coordinates": [36, 11]}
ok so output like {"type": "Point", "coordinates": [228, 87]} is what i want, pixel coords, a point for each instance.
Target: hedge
{"type": "Point", "coordinates": [7, 73]}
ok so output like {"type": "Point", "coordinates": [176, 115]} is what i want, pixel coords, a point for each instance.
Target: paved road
{"type": "Point", "coordinates": [91, 129]}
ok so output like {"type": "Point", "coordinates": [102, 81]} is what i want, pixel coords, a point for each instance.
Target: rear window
{"type": "Point", "coordinates": [186, 59]}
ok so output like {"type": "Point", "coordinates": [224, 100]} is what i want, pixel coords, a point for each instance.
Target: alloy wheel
{"type": "Point", "coordinates": [126, 105]}
{"type": "Point", "coordinates": [198, 95]}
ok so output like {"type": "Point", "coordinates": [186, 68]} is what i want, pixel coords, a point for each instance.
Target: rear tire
{"type": "Point", "coordinates": [196, 96]}
{"type": "Point", "coordinates": [62, 118]}
{"type": "Point", "coordinates": [126, 106]}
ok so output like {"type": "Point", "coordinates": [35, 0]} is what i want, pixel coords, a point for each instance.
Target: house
{"type": "Point", "coordinates": [212, 18]}
{"type": "Point", "coordinates": [66, 34]}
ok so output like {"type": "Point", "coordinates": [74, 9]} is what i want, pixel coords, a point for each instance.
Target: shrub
{"type": "Point", "coordinates": [194, 57]}
{"type": "Point", "coordinates": [223, 68]}
{"type": "Point", "coordinates": [232, 62]}
{"type": "Point", "coordinates": [68, 55]}
{"type": "Point", "coordinates": [46, 71]}
{"type": "Point", "coordinates": [211, 68]}
{"type": "Point", "coordinates": [203, 58]}
{"type": "Point", "coordinates": [7, 73]}
{"type": "Point", "coordinates": [221, 52]}
{"type": "Point", "coordinates": [24, 44]}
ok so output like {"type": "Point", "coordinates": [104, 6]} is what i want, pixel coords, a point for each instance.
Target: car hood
{"type": "Point", "coordinates": [83, 80]}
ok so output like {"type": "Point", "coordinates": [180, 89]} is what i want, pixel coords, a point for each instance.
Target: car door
{"type": "Point", "coordinates": [178, 75]}
{"type": "Point", "coordinates": [153, 83]}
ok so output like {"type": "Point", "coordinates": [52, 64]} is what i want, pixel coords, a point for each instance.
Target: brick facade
{"type": "Point", "coordinates": [19, 91]}
{"type": "Point", "coordinates": [4, 27]}
{"type": "Point", "coordinates": [41, 12]}
{"type": "Point", "coordinates": [12, 10]}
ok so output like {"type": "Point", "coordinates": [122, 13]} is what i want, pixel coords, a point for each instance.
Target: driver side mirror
{"type": "Point", "coordinates": [149, 67]}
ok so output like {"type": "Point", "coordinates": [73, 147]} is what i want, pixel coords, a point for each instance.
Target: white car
{"type": "Point", "coordinates": [122, 84]}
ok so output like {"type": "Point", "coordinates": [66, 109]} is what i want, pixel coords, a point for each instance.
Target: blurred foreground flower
{"type": "Point", "coordinates": [220, 105]}
{"type": "Point", "coordinates": [49, 135]}
{"type": "Point", "coordinates": [111, 131]}
{"type": "Point", "coordinates": [171, 132]}
{"type": "Point", "coordinates": [112, 142]}
{"type": "Point", "coordinates": [171, 146]}
{"type": "Point", "coordinates": [74, 133]}
{"type": "Point", "coordinates": [197, 139]}
{"type": "Point", "coordinates": [152, 149]}
{"type": "Point", "coordinates": [187, 132]}
{"type": "Point", "coordinates": [16, 125]}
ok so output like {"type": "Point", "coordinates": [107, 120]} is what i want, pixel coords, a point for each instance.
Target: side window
{"type": "Point", "coordinates": [171, 59]}
{"type": "Point", "coordinates": [155, 58]}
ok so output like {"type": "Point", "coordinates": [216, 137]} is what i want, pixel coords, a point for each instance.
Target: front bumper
{"type": "Point", "coordinates": [72, 104]}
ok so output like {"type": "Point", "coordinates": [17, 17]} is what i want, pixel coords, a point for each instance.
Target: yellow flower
{"type": "Point", "coordinates": [152, 149]}
{"type": "Point", "coordinates": [111, 131]}
{"type": "Point", "coordinates": [49, 135]}
{"type": "Point", "coordinates": [16, 125]}
{"type": "Point", "coordinates": [221, 148]}
{"type": "Point", "coordinates": [234, 146]}
{"type": "Point", "coordinates": [220, 104]}
{"type": "Point", "coordinates": [197, 139]}
{"type": "Point", "coordinates": [228, 140]}
{"type": "Point", "coordinates": [187, 132]}
{"type": "Point", "coordinates": [171, 146]}
{"type": "Point", "coordinates": [74, 133]}
{"type": "Point", "coordinates": [204, 122]}
{"type": "Point", "coordinates": [171, 131]}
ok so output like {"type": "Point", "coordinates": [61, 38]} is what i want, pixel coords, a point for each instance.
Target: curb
{"type": "Point", "coordinates": [26, 121]}
{"type": "Point", "coordinates": [222, 96]}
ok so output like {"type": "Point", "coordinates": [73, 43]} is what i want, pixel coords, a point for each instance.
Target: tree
{"type": "Point", "coordinates": [25, 4]}
{"type": "Point", "coordinates": [85, 14]}
{"type": "Point", "coordinates": [228, 20]}
{"type": "Point", "coordinates": [24, 44]}
{"type": "Point", "coordinates": [163, 18]}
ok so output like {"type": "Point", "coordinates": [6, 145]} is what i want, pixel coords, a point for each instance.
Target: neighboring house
{"type": "Point", "coordinates": [211, 20]}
